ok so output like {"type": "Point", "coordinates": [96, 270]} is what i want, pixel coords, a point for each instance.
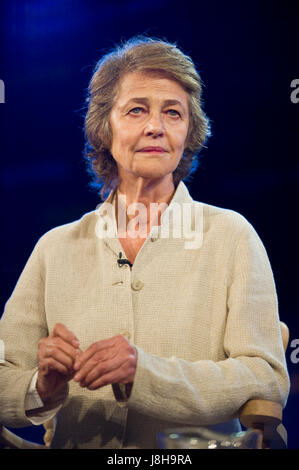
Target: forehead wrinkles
{"type": "Point", "coordinates": [136, 85]}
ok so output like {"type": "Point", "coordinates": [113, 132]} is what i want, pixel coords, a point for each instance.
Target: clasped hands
{"type": "Point", "coordinates": [104, 362]}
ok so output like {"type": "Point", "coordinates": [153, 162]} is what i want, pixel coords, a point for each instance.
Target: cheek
{"type": "Point", "coordinates": [123, 139]}
{"type": "Point", "coordinates": [122, 147]}
{"type": "Point", "coordinates": [117, 143]}
{"type": "Point", "coordinates": [180, 141]}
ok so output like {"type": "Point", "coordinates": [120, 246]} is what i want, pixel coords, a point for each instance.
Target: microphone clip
{"type": "Point", "coordinates": [121, 261]}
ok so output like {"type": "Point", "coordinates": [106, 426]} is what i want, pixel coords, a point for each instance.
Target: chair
{"type": "Point", "coordinates": [266, 415]}
{"type": "Point", "coordinates": [9, 440]}
{"type": "Point", "coordinates": [263, 416]}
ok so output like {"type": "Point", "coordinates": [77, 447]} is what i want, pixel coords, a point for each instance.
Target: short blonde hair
{"type": "Point", "coordinates": [140, 54]}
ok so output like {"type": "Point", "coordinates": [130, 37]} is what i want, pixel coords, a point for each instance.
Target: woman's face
{"type": "Point", "coordinates": [149, 122]}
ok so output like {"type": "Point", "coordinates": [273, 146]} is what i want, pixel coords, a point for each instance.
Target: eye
{"type": "Point", "coordinates": [173, 113]}
{"type": "Point", "coordinates": [136, 111]}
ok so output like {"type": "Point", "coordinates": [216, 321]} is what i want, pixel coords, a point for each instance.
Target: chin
{"type": "Point", "coordinates": [154, 171]}
{"type": "Point", "coordinates": [153, 174]}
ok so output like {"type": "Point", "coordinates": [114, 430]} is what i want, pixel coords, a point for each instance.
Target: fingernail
{"type": "Point", "coordinates": [75, 342]}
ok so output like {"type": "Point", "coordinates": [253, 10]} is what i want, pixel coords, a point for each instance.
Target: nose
{"type": "Point", "coordinates": [154, 126]}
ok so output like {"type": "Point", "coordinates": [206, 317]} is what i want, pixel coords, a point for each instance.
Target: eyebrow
{"type": "Point", "coordinates": [146, 101]}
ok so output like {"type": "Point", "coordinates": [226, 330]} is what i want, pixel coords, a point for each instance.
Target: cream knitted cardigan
{"type": "Point", "coordinates": [204, 321]}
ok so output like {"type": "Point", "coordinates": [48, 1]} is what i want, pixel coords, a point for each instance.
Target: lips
{"type": "Point", "coordinates": [153, 150]}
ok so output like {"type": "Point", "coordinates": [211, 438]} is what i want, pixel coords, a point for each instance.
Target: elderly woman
{"type": "Point", "coordinates": [119, 326]}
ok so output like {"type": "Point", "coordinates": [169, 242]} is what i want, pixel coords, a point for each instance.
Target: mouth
{"type": "Point", "coordinates": [153, 150]}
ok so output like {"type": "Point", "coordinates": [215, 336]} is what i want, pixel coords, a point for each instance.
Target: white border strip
{"type": "Point", "coordinates": [2, 351]}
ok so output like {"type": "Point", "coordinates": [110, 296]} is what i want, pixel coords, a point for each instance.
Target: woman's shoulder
{"type": "Point", "coordinates": [225, 219]}
{"type": "Point", "coordinates": [216, 217]}
{"type": "Point", "coordinates": [222, 214]}
{"type": "Point", "coordinates": [75, 231]}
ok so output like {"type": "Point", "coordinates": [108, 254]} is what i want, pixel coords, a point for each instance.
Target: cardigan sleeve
{"type": "Point", "coordinates": [22, 325]}
{"type": "Point", "coordinates": [206, 392]}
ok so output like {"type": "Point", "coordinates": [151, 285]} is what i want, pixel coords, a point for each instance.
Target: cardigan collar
{"type": "Point", "coordinates": [180, 209]}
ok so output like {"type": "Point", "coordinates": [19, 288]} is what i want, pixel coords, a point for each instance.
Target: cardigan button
{"type": "Point", "coordinates": [126, 334]}
{"type": "Point", "coordinates": [137, 285]}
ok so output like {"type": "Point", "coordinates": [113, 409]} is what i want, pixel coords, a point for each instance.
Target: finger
{"type": "Point", "coordinates": [46, 345]}
{"type": "Point", "coordinates": [116, 342]}
{"type": "Point", "coordinates": [122, 363]}
{"type": "Point", "coordinates": [106, 379]}
{"type": "Point", "coordinates": [100, 368]}
{"type": "Point", "coordinates": [54, 352]}
{"type": "Point", "coordinates": [100, 347]}
{"type": "Point", "coordinates": [96, 359]}
{"type": "Point", "coordinates": [116, 376]}
{"type": "Point", "coordinates": [86, 356]}
{"type": "Point", "coordinates": [65, 347]}
{"type": "Point", "coordinates": [63, 332]}
{"type": "Point", "coordinates": [52, 364]}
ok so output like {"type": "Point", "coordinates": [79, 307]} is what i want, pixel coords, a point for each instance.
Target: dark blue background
{"type": "Point", "coordinates": [247, 54]}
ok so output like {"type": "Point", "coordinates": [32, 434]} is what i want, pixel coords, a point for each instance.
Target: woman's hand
{"type": "Point", "coordinates": [56, 357]}
{"type": "Point", "coordinates": [106, 362]}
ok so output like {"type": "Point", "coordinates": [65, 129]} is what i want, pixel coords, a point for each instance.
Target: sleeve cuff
{"type": "Point", "coordinates": [36, 411]}
{"type": "Point", "coordinates": [122, 393]}
{"type": "Point", "coordinates": [32, 399]}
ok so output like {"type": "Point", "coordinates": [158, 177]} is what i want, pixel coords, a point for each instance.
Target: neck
{"type": "Point", "coordinates": [146, 192]}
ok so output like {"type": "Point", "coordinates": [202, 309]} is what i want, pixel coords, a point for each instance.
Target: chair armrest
{"type": "Point", "coordinates": [260, 412]}
{"type": "Point", "coordinates": [266, 416]}
{"type": "Point", "coordinates": [9, 440]}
